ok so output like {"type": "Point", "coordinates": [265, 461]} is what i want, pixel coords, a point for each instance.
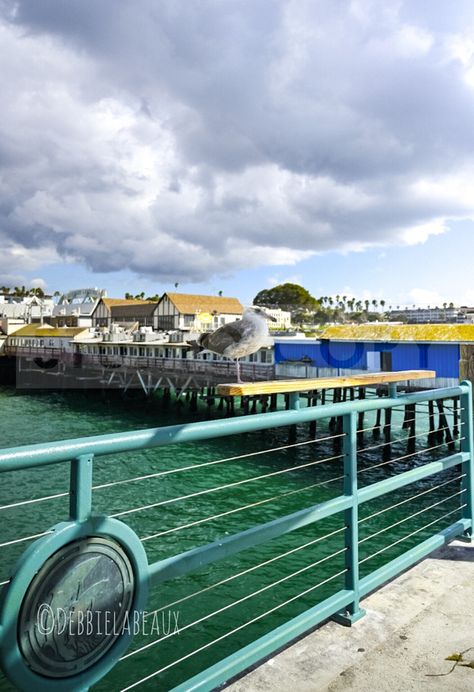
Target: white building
{"type": "Point", "coordinates": [435, 315]}
{"type": "Point", "coordinates": [282, 318]}
{"type": "Point", "coordinates": [26, 308]}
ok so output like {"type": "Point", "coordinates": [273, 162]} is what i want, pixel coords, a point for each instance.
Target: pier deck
{"type": "Point", "coordinates": [412, 625]}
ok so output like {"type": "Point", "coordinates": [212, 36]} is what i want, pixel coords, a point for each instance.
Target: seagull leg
{"type": "Point", "coordinates": [237, 363]}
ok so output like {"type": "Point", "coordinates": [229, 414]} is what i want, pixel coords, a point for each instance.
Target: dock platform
{"type": "Point", "coordinates": [412, 625]}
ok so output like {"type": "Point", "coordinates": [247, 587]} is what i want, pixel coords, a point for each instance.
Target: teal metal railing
{"type": "Point", "coordinates": [96, 562]}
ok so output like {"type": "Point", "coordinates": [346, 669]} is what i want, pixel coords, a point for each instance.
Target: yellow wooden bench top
{"type": "Point", "coordinates": [304, 385]}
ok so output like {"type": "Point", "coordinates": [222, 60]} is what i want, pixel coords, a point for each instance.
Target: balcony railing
{"type": "Point", "coordinates": [328, 521]}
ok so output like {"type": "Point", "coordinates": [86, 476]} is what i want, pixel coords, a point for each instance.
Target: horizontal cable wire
{"type": "Point", "coordinates": [236, 629]}
{"type": "Point", "coordinates": [415, 514]}
{"type": "Point", "coordinates": [405, 438]}
{"type": "Point", "coordinates": [216, 461]}
{"type": "Point", "coordinates": [409, 420]}
{"type": "Point", "coordinates": [32, 502]}
{"type": "Point", "coordinates": [248, 570]}
{"type": "Point", "coordinates": [406, 456]}
{"type": "Point", "coordinates": [413, 533]}
{"type": "Point", "coordinates": [234, 603]}
{"type": "Point", "coordinates": [382, 424]}
{"type": "Point", "coordinates": [26, 538]}
{"type": "Point", "coordinates": [171, 471]}
{"type": "Point", "coordinates": [411, 498]}
{"type": "Point", "coordinates": [240, 509]}
{"type": "Point", "coordinates": [226, 486]}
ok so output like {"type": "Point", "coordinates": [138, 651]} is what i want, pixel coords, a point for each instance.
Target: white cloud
{"type": "Point", "coordinates": [189, 143]}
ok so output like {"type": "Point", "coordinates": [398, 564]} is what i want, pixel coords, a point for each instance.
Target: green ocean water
{"type": "Point", "coordinates": [27, 418]}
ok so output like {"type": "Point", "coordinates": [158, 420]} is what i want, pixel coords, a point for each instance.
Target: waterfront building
{"type": "Point", "coordinates": [122, 310]}
{"type": "Point", "coordinates": [195, 313]}
{"type": "Point", "coordinates": [26, 308]}
{"type": "Point", "coordinates": [436, 315]}
{"type": "Point", "coordinates": [347, 349]}
{"type": "Point", "coordinates": [45, 336]}
{"type": "Point", "coordinates": [75, 308]}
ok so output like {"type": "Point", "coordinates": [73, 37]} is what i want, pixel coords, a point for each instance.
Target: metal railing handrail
{"type": "Point", "coordinates": [51, 453]}
{"type": "Point", "coordinates": [343, 605]}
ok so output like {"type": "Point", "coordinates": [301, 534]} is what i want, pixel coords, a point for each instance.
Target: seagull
{"type": "Point", "coordinates": [237, 339]}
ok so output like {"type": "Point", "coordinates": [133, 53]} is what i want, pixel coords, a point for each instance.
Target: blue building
{"type": "Point", "coordinates": [343, 350]}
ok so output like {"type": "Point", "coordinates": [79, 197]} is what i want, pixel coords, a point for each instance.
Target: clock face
{"type": "Point", "coordinates": [76, 607]}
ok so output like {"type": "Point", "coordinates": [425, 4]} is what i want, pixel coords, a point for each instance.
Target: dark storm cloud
{"type": "Point", "coordinates": [180, 138]}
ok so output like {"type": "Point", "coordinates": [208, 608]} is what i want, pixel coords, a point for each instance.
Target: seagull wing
{"type": "Point", "coordinates": [225, 336]}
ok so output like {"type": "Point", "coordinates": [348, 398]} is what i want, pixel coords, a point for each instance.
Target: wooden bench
{"type": "Point", "coordinates": [305, 385]}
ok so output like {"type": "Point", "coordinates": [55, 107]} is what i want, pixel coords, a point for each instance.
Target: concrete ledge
{"type": "Point", "coordinates": [411, 625]}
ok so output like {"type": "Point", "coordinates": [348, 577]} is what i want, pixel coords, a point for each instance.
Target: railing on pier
{"type": "Point", "coordinates": [218, 370]}
{"type": "Point", "coordinates": [113, 562]}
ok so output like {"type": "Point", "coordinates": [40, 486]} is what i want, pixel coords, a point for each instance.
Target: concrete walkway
{"type": "Point", "coordinates": [411, 625]}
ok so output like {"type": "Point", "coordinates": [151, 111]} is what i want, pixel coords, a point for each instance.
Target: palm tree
{"type": "Point", "coordinates": [176, 285]}
{"type": "Point", "coordinates": [382, 304]}
{"type": "Point", "coordinates": [38, 292]}
{"type": "Point", "coordinates": [366, 303]}
{"type": "Point", "coordinates": [5, 289]}
{"type": "Point", "coordinates": [220, 293]}
{"type": "Point", "coordinates": [375, 303]}
{"type": "Point", "coordinates": [20, 291]}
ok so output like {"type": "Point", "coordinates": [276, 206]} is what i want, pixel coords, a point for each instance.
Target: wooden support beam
{"type": "Point", "coordinates": [303, 385]}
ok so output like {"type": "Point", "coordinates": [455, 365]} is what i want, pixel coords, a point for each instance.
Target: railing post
{"type": "Point", "coordinates": [351, 519]}
{"type": "Point", "coordinates": [80, 490]}
{"type": "Point", "coordinates": [295, 401]}
{"type": "Point", "coordinates": [467, 441]}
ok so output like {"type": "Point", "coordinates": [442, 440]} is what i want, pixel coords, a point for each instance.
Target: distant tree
{"type": "Point", "coordinates": [220, 293]}
{"type": "Point", "coordinates": [38, 292]}
{"type": "Point", "coordinates": [20, 291]}
{"type": "Point", "coordinates": [288, 296]}
{"type": "Point", "coordinates": [176, 285]}
{"type": "Point", "coordinates": [367, 303]}
{"type": "Point", "coordinates": [382, 304]}
{"type": "Point", "coordinates": [5, 289]}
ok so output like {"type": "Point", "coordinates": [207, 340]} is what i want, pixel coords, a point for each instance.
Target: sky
{"type": "Point", "coordinates": [230, 145]}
